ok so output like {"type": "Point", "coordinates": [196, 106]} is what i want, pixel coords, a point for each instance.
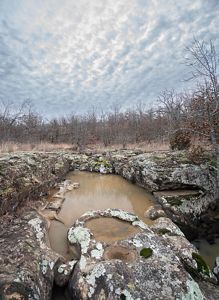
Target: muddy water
{"type": "Point", "coordinates": [114, 229]}
{"type": "Point", "coordinates": [97, 192]}
{"type": "Point", "coordinates": [207, 251]}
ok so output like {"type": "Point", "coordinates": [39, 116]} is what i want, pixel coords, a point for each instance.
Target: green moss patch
{"type": "Point", "coordinates": [163, 231]}
{"type": "Point", "coordinates": [174, 201]}
{"type": "Point", "coordinates": [202, 267]}
{"type": "Point", "coordinates": [105, 163]}
{"type": "Point", "coordinates": [146, 252]}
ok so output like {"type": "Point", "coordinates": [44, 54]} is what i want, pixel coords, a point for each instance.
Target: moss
{"type": "Point", "coordinates": [202, 267]}
{"type": "Point", "coordinates": [8, 191]}
{"type": "Point", "coordinates": [182, 157]}
{"type": "Point", "coordinates": [105, 163]}
{"type": "Point", "coordinates": [146, 252]}
{"type": "Point", "coordinates": [212, 161]}
{"type": "Point", "coordinates": [175, 201]}
{"type": "Point", "coordinates": [163, 231]}
{"type": "Point", "coordinates": [178, 199]}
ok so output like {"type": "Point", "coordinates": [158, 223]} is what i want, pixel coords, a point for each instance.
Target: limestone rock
{"type": "Point", "coordinates": [155, 212]}
{"type": "Point", "coordinates": [28, 266]}
{"type": "Point", "coordinates": [119, 270]}
{"type": "Point", "coordinates": [26, 176]}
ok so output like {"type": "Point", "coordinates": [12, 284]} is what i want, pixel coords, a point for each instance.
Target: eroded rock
{"type": "Point", "coordinates": [28, 266]}
{"type": "Point", "coordinates": [119, 270]}
{"type": "Point", "coordinates": [154, 212]}
{"type": "Point", "coordinates": [194, 185]}
{"type": "Point", "coordinates": [27, 176]}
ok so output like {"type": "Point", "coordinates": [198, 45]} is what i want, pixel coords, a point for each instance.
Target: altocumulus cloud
{"type": "Point", "coordinates": [71, 55]}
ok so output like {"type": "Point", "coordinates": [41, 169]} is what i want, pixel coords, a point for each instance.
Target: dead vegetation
{"type": "Point", "coordinates": [9, 147]}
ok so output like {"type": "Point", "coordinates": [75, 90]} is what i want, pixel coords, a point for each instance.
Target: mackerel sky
{"type": "Point", "coordinates": [71, 55]}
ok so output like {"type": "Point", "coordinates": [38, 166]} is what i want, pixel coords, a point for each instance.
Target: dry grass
{"type": "Point", "coordinates": [11, 147]}
{"type": "Point", "coordinates": [98, 148]}
{"type": "Point", "coordinates": [144, 146]}
{"type": "Point", "coordinates": [45, 147]}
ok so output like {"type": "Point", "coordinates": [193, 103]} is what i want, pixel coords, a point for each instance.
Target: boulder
{"type": "Point", "coordinates": [147, 264]}
{"type": "Point", "coordinates": [27, 176]}
{"type": "Point", "coordinates": [28, 266]}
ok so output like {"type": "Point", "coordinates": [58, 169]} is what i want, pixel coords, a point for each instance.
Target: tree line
{"type": "Point", "coordinates": [114, 127]}
{"type": "Point", "coordinates": [177, 118]}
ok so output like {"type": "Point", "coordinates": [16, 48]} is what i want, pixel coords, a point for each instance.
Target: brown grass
{"type": "Point", "coordinates": [98, 148]}
{"type": "Point", "coordinates": [144, 146]}
{"type": "Point", "coordinates": [45, 147]}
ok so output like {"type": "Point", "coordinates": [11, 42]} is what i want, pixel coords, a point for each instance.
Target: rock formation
{"type": "Point", "coordinates": [155, 263]}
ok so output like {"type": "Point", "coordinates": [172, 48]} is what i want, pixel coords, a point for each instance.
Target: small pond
{"type": "Point", "coordinates": [98, 192]}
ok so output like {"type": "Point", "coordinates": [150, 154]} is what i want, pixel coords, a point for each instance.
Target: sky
{"type": "Point", "coordinates": [77, 55]}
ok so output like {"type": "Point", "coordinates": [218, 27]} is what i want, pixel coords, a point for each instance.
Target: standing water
{"type": "Point", "coordinates": [208, 251]}
{"type": "Point", "coordinates": [97, 192]}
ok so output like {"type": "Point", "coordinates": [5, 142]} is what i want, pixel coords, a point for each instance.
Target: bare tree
{"type": "Point", "coordinates": [204, 61]}
{"type": "Point", "coordinates": [172, 107]}
{"type": "Point", "coordinates": [10, 115]}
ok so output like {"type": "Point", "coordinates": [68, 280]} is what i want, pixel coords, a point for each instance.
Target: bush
{"type": "Point", "coordinates": [196, 154]}
{"type": "Point", "coordinates": [180, 140]}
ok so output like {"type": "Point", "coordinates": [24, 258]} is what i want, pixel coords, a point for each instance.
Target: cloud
{"type": "Point", "coordinates": [68, 56]}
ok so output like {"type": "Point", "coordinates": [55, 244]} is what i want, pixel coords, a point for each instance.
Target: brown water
{"type": "Point", "coordinates": [97, 192]}
{"type": "Point", "coordinates": [207, 251]}
{"type": "Point", "coordinates": [114, 229]}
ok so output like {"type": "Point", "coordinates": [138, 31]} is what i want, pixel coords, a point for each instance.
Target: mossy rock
{"type": "Point", "coordinates": [174, 201]}
{"type": "Point", "coordinates": [163, 231]}
{"type": "Point", "coordinates": [105, 163]}
{"type": "Point", "coordinates": [178, 200]}
{"type": "Point", "coordinates": [146, 252]}
{"type": "Point", "coordinates": [202, 267]}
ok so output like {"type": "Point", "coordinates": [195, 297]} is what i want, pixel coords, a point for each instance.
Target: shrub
{"type": "Point", "coordinates": [196, 154]}
{"type": "Point", "coordinates": [180, 140]}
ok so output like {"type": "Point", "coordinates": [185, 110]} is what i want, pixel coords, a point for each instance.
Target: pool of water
{"type": "Point", "coordinates": [98, 192]}
{"type": "Point", "coordinates": [110, 229]}
{"type": "Point", "coordinates": [207, 251]}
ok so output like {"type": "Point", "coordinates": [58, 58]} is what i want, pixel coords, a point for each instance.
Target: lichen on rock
{"type": "Point", "coordinates": [144, 265]}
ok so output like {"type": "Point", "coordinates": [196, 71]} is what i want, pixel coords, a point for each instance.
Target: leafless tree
{"type": "Point", "coordinates": [172, 106]}
{"type": "Point", "coordinates": [203, 60]}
